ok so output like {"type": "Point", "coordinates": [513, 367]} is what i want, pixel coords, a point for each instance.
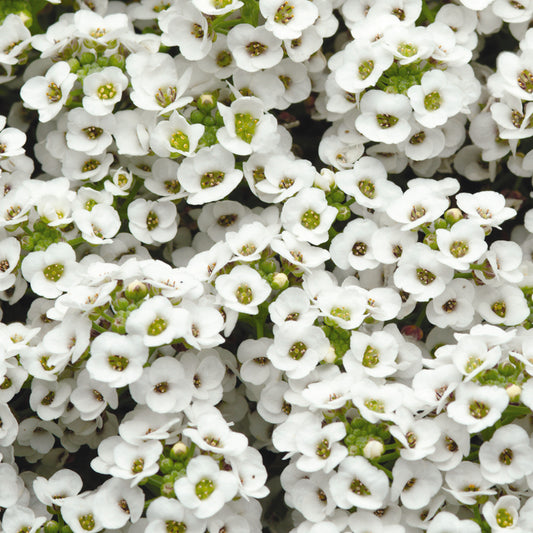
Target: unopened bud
{"type": "Point", "coordinates": [280, 281]}
{"type": "Point", "coordinates": [453, 215]}
{"type": "Point", "coordinates": [206, 102]}
{"type": "Point", "coordinates": [373, 449]}
{"type": "Point", "coordinates": [325, 180]}
{"type": "Point", "coordinates": [136, 291]}
{"type": "Point", "coordinates": [513, 391]}
{"type": "Point", "coordinates": [178, 450]}
{"type": "Point", "coordinates": [330, 355]}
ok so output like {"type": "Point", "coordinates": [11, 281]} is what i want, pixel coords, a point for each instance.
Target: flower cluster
{"type": "Point", "coordinates": [209, 328]}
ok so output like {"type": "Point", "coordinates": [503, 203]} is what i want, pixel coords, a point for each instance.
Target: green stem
{"type": "Point", "coordinates": [388, 457]}
{"type": "Point", "coordinates": [76, 241]}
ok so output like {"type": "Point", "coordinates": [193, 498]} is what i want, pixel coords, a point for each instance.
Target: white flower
{"type": "Point", "coordinates": [52, 271]}
{"type": "Point", "coordinates": [48, 93]}
{"type": "Point", "coordinates": [242, 289]}
{"type": "Point", "coordinates": [503, 515]}
{"type": "Point", "coordinates": [505, 304]}
{"type": "Point", "coordinates": [163, 511]}
{"type": "Point", "coordinates": [248, 128]}
{"type": "Point", "coordinates": [19, 518]}
{"type": "Point", "coordinates": [103, 90]}
{"type": "Point", "coordinates": [87, 133]}
{"type": "Point", "coordinates": [360, 484]}
{"type": "Point", "coordinates": [116, 359]}
{"type": "Point", "coordinates": [175, 136]}
{"type": "Point", "coordinates": [308, 216]}
{"type": "Point", "coordinates": [157, 321]}
{"type": "Point", "coordinates": [384, 117]}
{"type": "Point", "coordinates": [254, 48]}
{"type": "Point", "coordinates": [467, 483]}
{"type": "Point", "coordinates": [210, 175]}
{"type": "Point", "coordinates": [436, 98]}
{"type": "Point", "coordinates": [507, 456]}
{"type": "Point", "coordinates": [153, 221]}
{"type": "Point", "coordinates": [453, 308]}
{"type": "Point", "coordinates": [487, 208]}
{"type": "Point", "coordinates": [477, 407]}
{"type": "Point", "coordinates": [374, 354]}
{"type": "Point", "coordinates": [81, 514]}
{"type": "Point", "coordinates": [287, 20]}
{"type": "Point", "coordinates": [205, 489]}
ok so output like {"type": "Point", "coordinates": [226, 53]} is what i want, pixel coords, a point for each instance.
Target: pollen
{"type": "Point", "coordinates": [106, 92]}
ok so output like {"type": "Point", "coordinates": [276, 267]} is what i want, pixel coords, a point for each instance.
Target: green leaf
{"type": "Point", "coordinates": [250, 12]}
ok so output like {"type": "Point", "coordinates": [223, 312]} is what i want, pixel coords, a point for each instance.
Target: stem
{"type": "Point", "coordinates": [388, 457]}
{"type": "Point", "coordinates": [76, 241]}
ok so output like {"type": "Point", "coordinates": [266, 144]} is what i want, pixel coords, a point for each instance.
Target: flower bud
{"type": "Point", "coordinates": [453, 215]}
{"type": "Point", "coordinates": [280, 281]}
{"type": "Point", "coordinates": [330, 355]}
{"type": "Point", "coordinates": [373, 449]}
{"type": "Point", "coordinates": [178, 450]}
{"type": "Point", "coordinates": [136, 291]}
{"type": "Point", "coordinates": [513, 391]}
{"type": "Point", "coordinates": [206, 102]}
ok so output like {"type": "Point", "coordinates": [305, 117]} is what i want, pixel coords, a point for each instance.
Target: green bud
{"type": "Point", "coordinates": [440, 223]}
{"type": "Point", "coordinates": [343, 212]}
{"type": "Point", "coordinates": [166, 465]}
{"type": "Point", "coordinates": [268, 266]}
{"type": "Point", "coordinates": [206, 102]}
{"type": "Point", "coordinates": [506, 368]}
{"type": "Point", "coordinates": [136, 291]}
{"type": "Point", "coordinates": [87, 58]}
{"type": "Point", "coordinates": [51, 527]}
{"type": "Point", "coordinates": [218, 119]}
{"type": "Point", "coordinates": [337, 196]}
{"type": "Point", "coordinates": [66, 529]}
{"type": "Point", "coordinates": [197, 117]}
{"type": "Point", "coordinates": [453, 215]}
{"type": "Point", "coordinates": [208, 121]}
{"type": "Point", "coordinates": [117, 60]}
{"type": "Point", "coordinates": [329, 322]}
{"type": "Point", "coordinates": [103, 61]}
{"type": "Point", "coordinates": [74, 64]}
{"type": "Point", "coordinates": [431, 240]}
{"type": "Point", "coordinates": [167, 490]}
{"type": "Point", "coordinates": [27, 242]}
{"type": "Point", "coordinates": [121, 304]}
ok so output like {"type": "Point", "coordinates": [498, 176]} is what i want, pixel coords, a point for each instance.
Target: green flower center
{"type": "Point", "coordinates": [286, 80]}
{"type": "Point", "coordinates": [49, 398]}
{"type": "Point", "coordinates": [407, 50]}
{"type": "Point", "coordinates": [459, 249]}
{"type": "Point", "coordinates": [224, 58]}
{"type": "Point", "coordinates": [89, 204]}
{"type": "Point", "coordinates": [137, 466]}
{"type": "Point", "coordinates": [359, 248]}
{"type": "Point", "coordinates": [245, 126]}
{"type": "Point", "coordinates": [54, 92]}
{"type": "Point", "coordinates": [172, 186]}
{"type": "Point", "coordinates": [247, 249]}
{"type": "Point", "coordinates": [472, 363]}
{"type": "Point", "coordinates": [478, 409]}
{"type": "Point", "coordinates": [525, 81]}
{"type": "Point", "coordinates": [285, 183]}
{"type": "Point", "coordinates": [359, 488]}
{"type": "Point", "coordinates": [91, 164]}
{"type": "Point", "coordinates": [425, 276]}
{"type": "Point", "coordinates": [449, 306]}
{"type": "Point", "coordinates": [161, 388]}
{"type": "Point", "coordinates": [244, 294]}
{"type": "Point", "coordinates": [499, 308]}
{"type": "Point", "coordinates": [180, 141]}
{"type": "Point", "coordinates": [87, 522]}
{"type": "Point", "coordinates": [152, 221]}
{"type": "Point", "coordinates": [106, 92]}
{"type": "Point", "coordinates": [211, 179]}
{"type": "Point", "coordinates": [341, 312]}
{"type": "Point", "coordinates": [411, 439]}
{"type": "Point", "coordinates": [386, 121]}
{"type": "Point", "coordinates": [175, 527]}
{"type": "Point", "coordinates": [432, 101]}
{"type": "Point", "coordinates": [53, 272]}
{"type": "Point", "coordinates": [157, 327]}
{"type": "Point", "coordinates": [204, 489]}
{"type": "Point", "coordinates": [310, 219]}
{"type": "Point", "coordinates": [418, 138]}
{"type": "Point", "coordinates": [504, 518]}
{"type": "Point", "coordinates": [284, 13]}
{"type": "Point", "coordinates": [220, 4]}
{"type": "Point", "coordinates": [6, 383]}
{"type": "Point", "coordinates": [374, 405]}
{"type": "Point", "coordinates": [417, 212]}
{"type": "Point", "coordinates": [197, 31]}
{"type": "Point", "coordinates": [506, 457]}
{"type": "Point", "coordinates": [255, 48]}
{"type": "Point", "coordinates": [322, 450]}
{"type": "Point", "coordinates": [165, 96]}
{"type": "Point", "coordinates": [365, 69]}
{"type": "Point", "coordinates": [297, 350]}
{"type": "Point", "coordinates": [367, 188]}
{"type": "Point", "coordinates": [118, 363]}
{"type": "Point", "coordinates": [226, 220]}
{"type": "Point", "coordinates": [93, 132]}
{"type": "Point", "coordinates": [370, 357]}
